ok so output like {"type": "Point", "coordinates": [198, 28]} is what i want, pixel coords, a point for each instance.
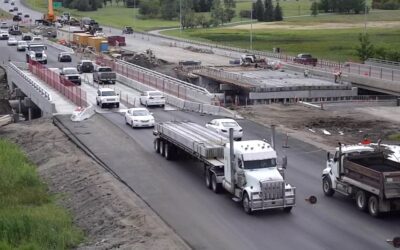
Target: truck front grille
{"type": "Point", "coordinates": [273, 189]}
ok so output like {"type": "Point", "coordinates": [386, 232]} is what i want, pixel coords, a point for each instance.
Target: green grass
{"type": "Point", "coordinates": [394, 137]}
{"type": "Point", "coordinates": [4, 14]}
{"type": "Point", "coordinates": [29, 218]}
{"type": "Point", "coordinates": [114, 16]}
{"type": "Point", "coordinates": [337, 44]}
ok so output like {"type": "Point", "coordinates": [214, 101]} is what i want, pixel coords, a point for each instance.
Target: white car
{"type": "Point", "coordinates": [22, 45]}
{"type": "Point", "coordinates": [4, 35]}
{"type": "Point", "coordinates": [222, 126]}
{"type": "Point", "coordinates": [12, 41]}
{"type": "Point", "coordinates": [139, 117]}
{"type": "Point", "coordinates": [152, 98]}
{"type": "Point", "coordinates": [107, 97]}
{"type": "Point", "coordinates": [36, 39]}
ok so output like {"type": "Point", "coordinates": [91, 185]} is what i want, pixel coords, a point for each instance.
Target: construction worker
{"type": "Point", "coordinates": [306, 73]}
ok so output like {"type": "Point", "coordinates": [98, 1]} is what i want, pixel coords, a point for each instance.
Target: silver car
{"type": "Point", "coordinates": [22, 45]}
{"type": "Point", "coordinates": [12, 41]}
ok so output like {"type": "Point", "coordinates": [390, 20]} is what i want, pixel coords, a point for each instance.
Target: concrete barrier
{"type": "Point", "coordinates": [58, 46]}
{"type": "Point", "coordinates": [81, 114]}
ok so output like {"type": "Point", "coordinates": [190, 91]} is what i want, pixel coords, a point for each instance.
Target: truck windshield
{"type": "Point", "coordinates": [257, 164]}
{"type": "Point", "coordinates": [37, 48]}
{"type": "Point", "coordinates": [108, 93]}
{"type": "Point", "coordinates": [105, 70]}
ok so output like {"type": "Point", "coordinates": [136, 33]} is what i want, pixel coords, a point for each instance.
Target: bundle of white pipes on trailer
{"type": "Point", "coordinates": [201, 140]}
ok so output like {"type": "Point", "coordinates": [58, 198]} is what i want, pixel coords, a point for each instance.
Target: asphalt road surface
{"type": "Point", "coordinates": [176, 190]}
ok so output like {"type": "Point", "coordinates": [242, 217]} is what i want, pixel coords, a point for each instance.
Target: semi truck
{"type": "Point", "coordinates": [248, 170]}
{"type": "Point", "coordinates": [367, 173]}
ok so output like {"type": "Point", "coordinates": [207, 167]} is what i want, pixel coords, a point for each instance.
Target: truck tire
{"type": "Point", "coordinates": [102, 105]}
{"type": "Point", "coordinates": [361, 200]}
{"type": "Point", "coordinates": [246, 204]}
{"type": "Point", "coordinates": [287, 209]}
{"type": "Point", "coordinates": [168, 151]}
{"type": "Point", "coordinates": [162, 147]}
{"type": "Point", "coordinates": [215, 186]}
{"type": "Point", "coordinates": [207, 177]}
{"type": "Point", "coordinates": [373, 206]}
{"type": "Point", "coordinates": [327, 186]}
{"type": "Point", "coordinates": [157, 145]}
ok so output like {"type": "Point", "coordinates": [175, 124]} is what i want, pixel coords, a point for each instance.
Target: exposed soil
{"type": "Point", "coordinates": [110, 214]}
{"type": "Point", "coordinates": [347, 126]}
{"type": "Point", "coordinates": [4, 94]}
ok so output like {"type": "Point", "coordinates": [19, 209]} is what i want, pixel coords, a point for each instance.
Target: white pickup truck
{"type": "Point", "coordinates": [107, 97]}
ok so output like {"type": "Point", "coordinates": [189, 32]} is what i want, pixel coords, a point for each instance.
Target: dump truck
{"type": "Point", "coordinates": [367, 173]}
{"type": "Point", "coordinates": [248, 170]}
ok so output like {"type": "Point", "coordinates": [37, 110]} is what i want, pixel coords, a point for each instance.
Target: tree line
{"type": "Point", "coordinates": [386, 4]}
{"type": "Point", "coordinates": [266, 12]}
{"type": "Point", "coordinates": [342, 6]}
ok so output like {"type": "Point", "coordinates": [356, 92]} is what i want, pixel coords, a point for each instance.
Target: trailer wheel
{"type": "Point", "coordinates": [207, 177]}
{"type": "Point", "coordinates": [373, 206]}
{"type": "Point", "coordinates": [246, 204]}
{"type": "Point", "coordinates": [168, 151]}
{"type": "Point", "coordinates": [327, 186]}
{"type": "Point", "coordinates": [361, 200]}
{"type": "Point", "coordinates": [162, 147]}
{"type": "Point", "coordinates": [287, 209]}
{"type": "Point", "coordinates": [157, 145]}
{"type": "Point", "coordinates": [215, 186]}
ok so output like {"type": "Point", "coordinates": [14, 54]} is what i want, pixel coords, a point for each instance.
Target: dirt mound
{"type": "Point", "coordinates": [111, 215]}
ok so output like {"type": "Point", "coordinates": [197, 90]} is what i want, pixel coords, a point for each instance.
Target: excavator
{"type": "Point", "coordinates": [49, 18]}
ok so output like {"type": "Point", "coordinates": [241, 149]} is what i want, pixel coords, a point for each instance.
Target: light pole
{"type": "Point", "coordinates": [251, 26]}
{"type": "Point", "coordinates": [180, 16]}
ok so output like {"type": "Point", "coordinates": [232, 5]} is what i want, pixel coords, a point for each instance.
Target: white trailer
{"type": "Point", "coordinates": [246, 169]}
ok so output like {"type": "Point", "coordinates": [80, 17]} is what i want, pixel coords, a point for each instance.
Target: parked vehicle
{"type": "Point", "coordinates": [107, 97]}
{"type": "Point", "coordinates": [22, 45]}
{"type": "Point", "coordinates": [104, 74]}
{"type": "Point", "coordinates": [365, 173]}
{"type": "Point", "coordinates": [36, 52]}
{"type": "Point", "coordinates": [222, 126]}
{"type": "Point", "coordinates": [12, 41]}
{"type": "Point", "coordinates": [152, 98]}
{"type": "Point", "coordinates": [306, 59]}
{"type": "Point", "coordinates": [71, 74]}
{"type": "Point", "coordinates": [139, 117]}
{"type": "Point", "coordinates": [248, 170]}
{"type": "Point", "coordinates": [4, 35]}
{"type": "Point", "coordinates": [64, 57]}
{"type": "Point", "coordinates": [127, 30]}
{"type": "Point", "coordinates": [85, 66]}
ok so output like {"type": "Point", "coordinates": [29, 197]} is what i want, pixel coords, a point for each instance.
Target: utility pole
{"type": "Point", "coordinates": [251, 26]}
{"type": "Point", "coordinates": [180, 16]}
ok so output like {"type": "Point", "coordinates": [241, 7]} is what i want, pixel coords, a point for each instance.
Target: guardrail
{"type": "Point", "coordinates": [59, 46]}
{"type": "Point", "coordinates": [158, 81]}
{"type": "Point", "coordinates": [34, 84]}
{"type": "Point", "coordinates": [64, 86]}
{"type": "Point", "coordinates": [376, 72]}
{"type": "Point", "coordinates": [384, 63]}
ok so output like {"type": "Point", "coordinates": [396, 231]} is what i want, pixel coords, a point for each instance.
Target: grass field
{"type": "Point", "coordinates": [29, 218]}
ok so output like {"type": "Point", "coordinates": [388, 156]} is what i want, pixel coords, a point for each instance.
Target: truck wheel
{"type": "Point", "coordinates": [157, 145]}
{"type": "Point", "coordinates": [215, 186]}
{"type": "Point", "coordinates": [373, 206]}
{"type": "Point", "coordinates": [327, 186]}
{"type": "Point", "coordinates": [117, 105]}
{"type": "Point", "coordinates": [246, 204]}
{"type": "Point", "coordinates": [168, 151]}
{"type": "Point", "coordinates": [162, 147]}
{"type": "Point", "coordinates": [361, 200]}
{"type": "Point", "coordinates": [207, 177]}
{"type": "Point", "coordinates": [287, 209]}
{"type": "Point", "coordinates": [102, 105]}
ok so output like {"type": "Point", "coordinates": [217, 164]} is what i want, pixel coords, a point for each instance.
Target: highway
{"type": "Point", "coordinates": [176, 190]}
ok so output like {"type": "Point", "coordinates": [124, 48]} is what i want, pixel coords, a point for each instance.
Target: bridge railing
{"type": "Point", "coordinates": [64, 86]}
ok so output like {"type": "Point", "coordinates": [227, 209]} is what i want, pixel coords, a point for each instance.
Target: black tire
{"type": "Point", "coordinates": [97, 102]}
{"type": "Point", "coordinates": [45, 62]}
{"type": "Point", "coordinates": [239, 139]}
{"type": "Point", "coordinates": [168, 151]}
{"type": "Point", "coordinates": [126, 121]}
{"type": "Point", "coordinates": [373, 206]}
{"type": "Point", "coordinates": [207, 177]}
{"type": "Point", "coordinates": [215, 186]}
{"type": "Point", "coordinates": [361, 200]}
{"type": "Point", "coordinates": [117, 105]}
{"type": "Point", "coordinates": [287, 209]}
{"type": "Point", "coordinates": [246, 204]}
{"type": "Point", "coordinates": [327, 186]}
{"type": "Point", "coordinates": [157, 145]}
{"type": "Point", "coordinates": [162, 147]}
{"type": "Point", "coordinates": [102, 105]}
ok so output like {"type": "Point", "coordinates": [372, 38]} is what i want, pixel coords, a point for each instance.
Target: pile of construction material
{"type": "Point", "coordinates": [199, 50]}
{"type": "Point", "coordinates": [146, 59]}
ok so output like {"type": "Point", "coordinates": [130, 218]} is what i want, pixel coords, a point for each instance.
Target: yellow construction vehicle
{"type": "Point", "coordinates": [49, 18]}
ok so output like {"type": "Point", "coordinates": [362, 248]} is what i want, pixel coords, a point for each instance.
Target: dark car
{"type": "Point", "coordinates": [15, 8]}
{"type": "Point", "coordinates": [85, 66]}
{"type": "Point", "coordinates": [26, 15]}
{"type": "Point", "coordinates": [11, 10]}
{"type": "Point", "coordinates": [12, 3]}
{"type": "Point", "coordinates": [17, 18]}
{"type": "Point", "coordinates": [26, 38]}
{"type": "Point", "coordinates": [19, 13]}
{"type": "Point", "coordinates": [70, 75]}
{"type": "Point", "coordinates": [127, 30]}
{"type": "Point", "coordinates": [64, 57]}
